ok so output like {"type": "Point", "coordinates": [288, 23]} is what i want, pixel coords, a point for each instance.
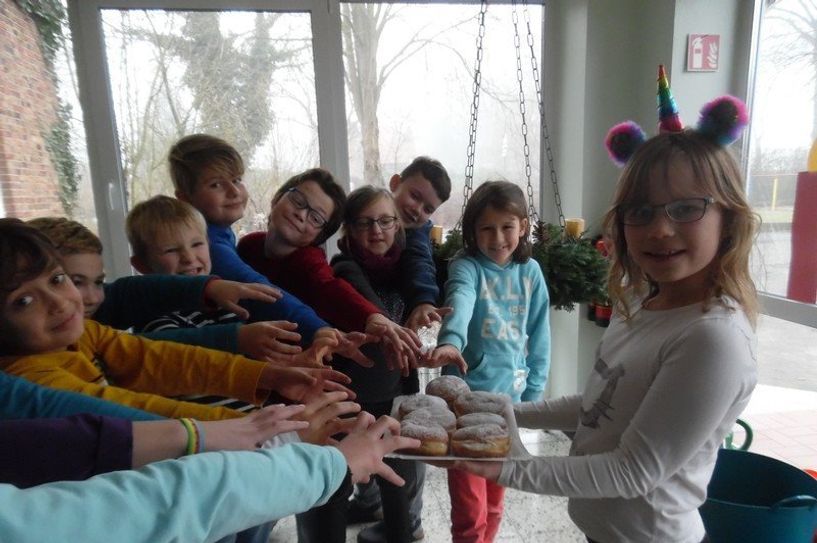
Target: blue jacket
{"type": "Point", "coordinates": [500, 324]}
{"type": "Point", "coordinates": [417, 271]}
{"type": "Point", "coordinates": [198, 498]}
{"type": "Point", "coordinates": [132, 302]}
{"type": "Point", "coordinates": [228, 265]}
{"type": "Point", "coordinates": [22, 399]}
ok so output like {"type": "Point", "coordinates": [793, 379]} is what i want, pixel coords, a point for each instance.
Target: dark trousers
{"type": "Point", "coordinates": [327, 523]}
{"type": "Point", "coordinates": [395, 499]}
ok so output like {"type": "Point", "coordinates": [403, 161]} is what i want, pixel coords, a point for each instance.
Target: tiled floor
{"type": "Point", "coordinates": [784, 422]}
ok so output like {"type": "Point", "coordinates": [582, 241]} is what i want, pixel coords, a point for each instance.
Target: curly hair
{"type": "Point", "coordinates": [717, 173]}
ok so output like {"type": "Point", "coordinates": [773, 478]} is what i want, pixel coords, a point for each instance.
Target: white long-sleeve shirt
{"type": "Point", "coordinates": [666, 388]}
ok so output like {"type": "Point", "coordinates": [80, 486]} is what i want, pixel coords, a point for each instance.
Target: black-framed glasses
{"type": "Point", "coordinates": [299, 200]}
{"type": "Point", "coordinates": [386, 222]}
{"type": "Point", "coordinates": [681, 211]}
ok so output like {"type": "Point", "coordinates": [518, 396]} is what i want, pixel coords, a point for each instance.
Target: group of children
{"type": "Point", "coordinates": [269, 320]}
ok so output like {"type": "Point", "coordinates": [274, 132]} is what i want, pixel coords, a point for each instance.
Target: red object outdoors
{"type": "Point", "coordinates": [803, 267]}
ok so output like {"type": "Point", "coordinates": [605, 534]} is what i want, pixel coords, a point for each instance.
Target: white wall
{"type": "Point", "coordinates": [601, 64]}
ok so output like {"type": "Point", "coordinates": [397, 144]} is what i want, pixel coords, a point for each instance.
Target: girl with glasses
{"type": "Point", "coordinates": [372, 242]}
{"type": "Point", "coordinates": [677, 365]}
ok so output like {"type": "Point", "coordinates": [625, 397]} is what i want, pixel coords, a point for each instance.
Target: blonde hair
{"type": "Point", "coordinates": [717, 173]}
{"type": "Point", "coordinates": [192, 154]}
{"type": "Point", "coordinates": [69, 237]}
{"type": "Point", "coordinates": [157, 215]}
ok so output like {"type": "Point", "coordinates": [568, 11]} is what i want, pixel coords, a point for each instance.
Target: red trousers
{"type": "Point", "coordinates": [476, 507]}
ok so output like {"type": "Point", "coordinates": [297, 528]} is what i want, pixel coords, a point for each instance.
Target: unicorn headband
{"type": "Point", "coordinates": [722, 120]}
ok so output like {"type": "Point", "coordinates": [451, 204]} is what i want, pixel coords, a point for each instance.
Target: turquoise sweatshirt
{"type": "Point", "coordinates": [198, 498]}
{"type": "Point", "coordinates": [500, 324]}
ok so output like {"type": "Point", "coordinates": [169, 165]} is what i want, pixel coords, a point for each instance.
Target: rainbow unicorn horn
{"type": "Point", "coordinates": [668, 118]}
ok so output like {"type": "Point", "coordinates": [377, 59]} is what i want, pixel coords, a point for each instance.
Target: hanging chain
{"type": "Point", "coordinates": [472, 129]}
{"type": "Point", "coordinates": [544, 127]}
{"type": "Point", "coordinates": [534, 216]}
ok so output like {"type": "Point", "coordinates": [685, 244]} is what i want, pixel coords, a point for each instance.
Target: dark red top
{"type": "Point", "coordinates": [306, 274]}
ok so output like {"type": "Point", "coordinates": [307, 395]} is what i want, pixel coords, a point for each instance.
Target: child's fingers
{"type": "Point", "coordinates": [388, 474]}
{"type": "Point", "coordinates": [332, 385]}
{"type": "Point", "coordinates": [276, 347]}
{"type": "Point", "coordinates": [331, 375]}
{"type": "Point", "coordinates": [385, 425]}
{"type": "Point", "coordinates": [285, 325]}
{"type": "Point", "coordinates": [323, 399]}
{"type": "Point", "coordinates": [275, 413]}
{"type": "Point", "coordinates": [363, 420]}
{"type": "Point", "coordinates": [344, 426]}
{"type": "Point", "coordinates": [233, 307]}
{"type": "Point", "coordinates": [261, 292]}
{"type": "Point", "coordinates": [439, 313]}
{"type": "Point", "coordinates": [284, 426]}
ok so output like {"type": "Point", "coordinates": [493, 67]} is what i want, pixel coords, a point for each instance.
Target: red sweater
{"type": "Point", "coordinates": [306, 274]}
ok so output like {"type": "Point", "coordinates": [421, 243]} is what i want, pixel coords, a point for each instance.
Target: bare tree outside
{"type": "Point", "coordinates": [409, 75]}
{"type": "Point", "coordinates": [177, 73]}
{"type": "Point", "coordinates": [794, 45]}
{"type": "Point", "coordinates": [784, 124]}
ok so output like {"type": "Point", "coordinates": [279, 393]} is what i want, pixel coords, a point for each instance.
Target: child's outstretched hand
{"type": "Point", "coordinates": [368, 442]}
{"type": "Point", "coordinates": [302, 384]}
{"type": "Point", "coordinates": [269, 340]}
{"type": "Point", "coordinates": [328, 341]}
{"type": "Point", "coordinates": [401, 344]}
{"type": "Point", "coordinates": [445, 355]}
{"type": "Point", "coordinates": [323, 414]}
{"type": "Point", "coordinates": [425, 314]}
{"type": "Point", "coordinates": [250, 431]}
{"type": "Point", "coordinates": [226, 295]}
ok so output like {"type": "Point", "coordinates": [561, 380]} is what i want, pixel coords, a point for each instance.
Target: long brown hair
{"type": "Point", "coordinates": [716, 172]}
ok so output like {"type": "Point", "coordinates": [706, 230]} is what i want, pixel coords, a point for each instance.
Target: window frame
{"type": "Point", "coordinates": [771, 304]}
{"type": "Point", "coordinates": [96, 98]}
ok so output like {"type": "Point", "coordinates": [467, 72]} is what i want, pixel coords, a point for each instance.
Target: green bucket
{"type": "Point", "coordinates": [756, 499]}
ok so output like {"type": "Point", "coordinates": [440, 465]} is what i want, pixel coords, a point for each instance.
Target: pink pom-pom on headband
{"type": "Point", "coordinates": [622, 140]}
{"type": "Point", "coordinates": [723, 119]}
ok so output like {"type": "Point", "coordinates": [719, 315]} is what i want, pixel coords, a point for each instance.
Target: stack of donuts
{"type": "Point", "coordinates": [451, 419]}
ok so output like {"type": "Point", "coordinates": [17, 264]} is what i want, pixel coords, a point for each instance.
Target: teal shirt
{"type": "Point", "coordinates": [500, 324]}
{"type": "Point", "coordinates": [197, 498]}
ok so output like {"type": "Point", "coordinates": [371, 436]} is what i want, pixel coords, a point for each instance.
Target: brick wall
{"type": "Point", "coordinates": [28, 181]}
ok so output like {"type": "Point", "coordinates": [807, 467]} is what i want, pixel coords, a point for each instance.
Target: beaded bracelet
{"type": "Point", "coordinates": [195, 437]}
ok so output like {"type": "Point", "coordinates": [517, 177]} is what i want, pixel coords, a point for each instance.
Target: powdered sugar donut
{"type": "Point", "coordinates": [429, 416]}
{"type": "Point", "coordinates": [481, 441]}
{"type": "Point", "coordinates": [475, 419]}
{"type": "Point", "coordinates": [419, 401]}
{"type": "Point", "coordinates": [480, 402]}
{"type": "Point", "coordinates": [447, 387]}
{"type": "Point", "coordinates": [433, 438]}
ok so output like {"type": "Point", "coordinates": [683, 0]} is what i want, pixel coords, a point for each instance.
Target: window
{"type": "Point", "coordinates": [246, 77]}
{"type": "Point", "coordinates": [409, 92]}
{"type": "Point", "coordinates": [784, 125]}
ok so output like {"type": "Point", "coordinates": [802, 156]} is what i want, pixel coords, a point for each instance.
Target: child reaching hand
{"type": "Point", "coordinates": [500, 326]}
{"type": "Point", "coordinates": [677, 365]}
{"type": "Point", "coordinates": [44, 339]}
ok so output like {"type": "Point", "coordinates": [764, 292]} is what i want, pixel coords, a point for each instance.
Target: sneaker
{"type": "Point", "coordinates": [357, 514]}
{"type": "Point", "coordinates": [376, 533]}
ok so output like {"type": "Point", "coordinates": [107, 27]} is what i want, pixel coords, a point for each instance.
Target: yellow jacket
{"type": "Point", "coordinates": [138, 372]}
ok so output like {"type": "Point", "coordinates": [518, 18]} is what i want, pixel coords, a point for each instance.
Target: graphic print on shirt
{"type": "Point", "coordinates": [506, 305]}
{"type": "Point", "coordinates": [102, 366]}
{"type": "Point", "coordinates": [603, 403]}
